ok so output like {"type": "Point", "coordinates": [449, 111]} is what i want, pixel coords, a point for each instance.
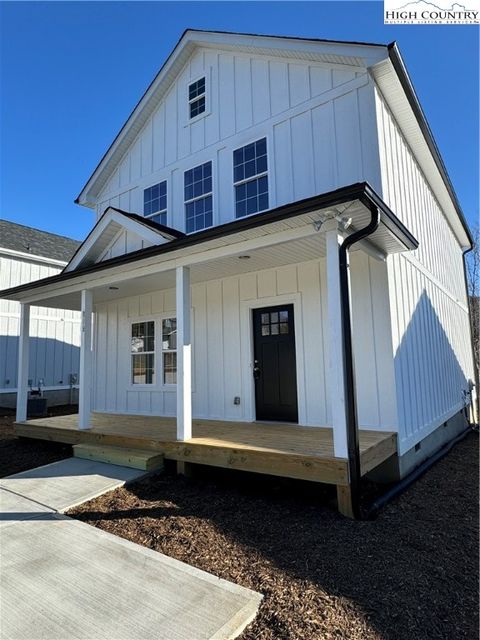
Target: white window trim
{"type": "Point", "coordinates": [167, 385]}
{"type": "Point", "coordinates": [204, 195]}
{"type": "Point", "coordinates": [143, 385]}
{"type": "Point", "coordinates": [255, 177]}
{"type": "Point", "coordinates": [206, 73]}
{"type": "Point", "coordinates": [158, 385]}
{"type": "Point", "coordinates": [165, 211]}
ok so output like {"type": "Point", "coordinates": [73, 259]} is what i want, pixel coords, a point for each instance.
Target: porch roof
{"type": "Point", "coordinates": [284, 235]}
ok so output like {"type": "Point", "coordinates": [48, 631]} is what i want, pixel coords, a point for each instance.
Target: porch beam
{"type": "Point", "coordinates": [116, 275]}
{"type": "Point", "coordinates": [23, 363]}
{"type": "Point", "coordinates": [85, 391]}
{"type": "Point", "coordinates": [336, 375]}
{"type": "Point", "coordinates": [184, 355]}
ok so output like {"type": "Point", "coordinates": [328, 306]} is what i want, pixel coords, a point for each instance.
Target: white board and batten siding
{"type": "Point", "coordinates": [430, 324]}
{"type": "Point", "coordinates": [222, 345]}
{"type": "Point", "coordinates": [55, 333]}
{"type": "Point", "coordinates": [318, 120]}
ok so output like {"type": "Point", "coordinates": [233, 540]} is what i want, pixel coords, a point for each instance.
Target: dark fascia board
{"type": "Point", "coordinates": [231, 33]}
{"type": "Point", "coordinates": [361, 191]}
{"type": "Point", "coordinates": [156, 226]}
{"type": "Point", "coordinates": [173, 233]}
{"type": "Point", "coordinates": [402, 73]}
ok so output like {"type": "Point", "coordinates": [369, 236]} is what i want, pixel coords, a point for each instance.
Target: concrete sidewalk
{"type": "Point", "coordinates": [65, 579]}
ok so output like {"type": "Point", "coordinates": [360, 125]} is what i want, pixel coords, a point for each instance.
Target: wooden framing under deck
{"type": "Point", "coordinates": [285, 450]}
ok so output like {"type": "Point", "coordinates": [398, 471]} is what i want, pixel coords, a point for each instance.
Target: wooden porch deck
{"type": "Point", "coordinates": [285, 450]}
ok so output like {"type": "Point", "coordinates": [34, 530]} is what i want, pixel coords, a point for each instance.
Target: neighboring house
{"type": "Point", "coordinates": [217, 272]}
{"type": "Point", "coordinates": [28, 255]}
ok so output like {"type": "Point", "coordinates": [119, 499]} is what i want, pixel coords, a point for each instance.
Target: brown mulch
{"type": "Point", "coordinates": [412, 574]}
{"type": "Point", "coordinates": [20, 454]}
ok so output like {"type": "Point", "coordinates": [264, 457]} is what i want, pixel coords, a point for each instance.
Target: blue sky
{"type": "Point", "coordinates": [72, 72]}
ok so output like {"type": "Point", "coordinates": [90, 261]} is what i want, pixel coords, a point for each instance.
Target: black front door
{"type": "Point", "coordinates": [275, 369]}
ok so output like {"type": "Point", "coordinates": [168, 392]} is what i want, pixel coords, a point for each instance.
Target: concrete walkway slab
{"type": "Point", "coordinates": [65, 579]}
{"type": "Point", "coordinates": [65, 484]}
{"type": "Point", "coordinates": [14, 508]}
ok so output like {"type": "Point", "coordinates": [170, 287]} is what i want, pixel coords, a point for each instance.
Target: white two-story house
{"type": "Point", "coordinates": [277, 243]}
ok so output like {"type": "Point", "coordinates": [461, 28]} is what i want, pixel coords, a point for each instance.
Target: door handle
{"type": "Point", "coordinates": [256, 370]}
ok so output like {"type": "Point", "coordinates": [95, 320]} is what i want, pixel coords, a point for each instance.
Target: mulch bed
{"type": "Point", "coordinates": [20, 454]}
{"type": "Point", "coordinates": [410, 575]}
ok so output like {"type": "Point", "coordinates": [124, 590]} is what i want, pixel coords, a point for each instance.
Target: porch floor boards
{"type": "Point", "coordinates": [277, 449]}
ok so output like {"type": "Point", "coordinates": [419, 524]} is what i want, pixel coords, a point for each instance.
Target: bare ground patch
{"type": "Point", "coordinates": [411, 574]}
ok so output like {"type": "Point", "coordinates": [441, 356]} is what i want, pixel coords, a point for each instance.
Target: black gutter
{"type": "Point", "coordinates": [348, 357]}
{"type": "Point", "coordinates": [360, 191]}
{"type": "Point", "coordinates": [404, 78]}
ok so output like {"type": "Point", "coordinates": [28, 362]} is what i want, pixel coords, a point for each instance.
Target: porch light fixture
{"type": "Point", "coordinates": [244, 257]}
{"type": "Point", "coordinates": [344, 222]}
{"type": "Point", "coordinates": [113, 288]}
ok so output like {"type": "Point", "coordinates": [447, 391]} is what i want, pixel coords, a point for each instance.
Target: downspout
{"type": "Point", "coordinates": [348, 360]}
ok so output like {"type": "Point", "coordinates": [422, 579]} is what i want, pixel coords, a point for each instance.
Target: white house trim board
{"type": "Point", "coordinates": [247, 350]}
{"type": "Point", "coordinates": [184, 354]}
{"type": "Point", "coordinates": [23, 362]}
{"type": "Point", "coordinates": [86, 359]}
{"type": "Point", "coordinates": [31, 257]}
{"type": "Point", "coordinates": [105, 232]}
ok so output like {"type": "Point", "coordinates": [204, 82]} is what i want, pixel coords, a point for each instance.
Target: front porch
{"type": "Point", "coordinates": [286, 450]}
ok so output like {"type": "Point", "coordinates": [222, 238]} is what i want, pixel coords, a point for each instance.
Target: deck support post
{"type": "Point", "coordinates": [336, 374]}
{"type": "Point", "coordinates": [184, 355]}
{"type": "Point", "coordinates": [23, 362]}
{"type": "Point", "coordinates": [85, 392]}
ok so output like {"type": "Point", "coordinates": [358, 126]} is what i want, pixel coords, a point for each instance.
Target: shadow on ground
{"type": "Point", "coordinates": [411, 574]}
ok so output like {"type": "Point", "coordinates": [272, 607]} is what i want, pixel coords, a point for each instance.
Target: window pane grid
{"type": "Point", "coordinates": [142, 348]}
{"type": "Point", "coordinates": [169, 348]}
{"type": "Point", "coordinates": [250, 178]}
{"type": "Point", "coordinates": [155, 202]}
{"type": "Point", "coordinates": [198, 197]}
{"type": "Point", "coordinates": [196, 97]}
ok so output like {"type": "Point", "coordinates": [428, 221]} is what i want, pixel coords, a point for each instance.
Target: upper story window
{"type": "Point", "coordinates": [196, 97]}
{"type": "Point", "coordinates": [250, 178]}
{"type": "Point", "coordinates": [155, 203]}
{"type": "Point", "coordinates": [198, 197]}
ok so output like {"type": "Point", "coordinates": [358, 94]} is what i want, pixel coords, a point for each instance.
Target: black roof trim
{"type": "Point", "coordinates": [407, 85]}
{"type": "Point", "coordinates": [174, 233]}
{"type": "Point", "coordinates": [359, 191]}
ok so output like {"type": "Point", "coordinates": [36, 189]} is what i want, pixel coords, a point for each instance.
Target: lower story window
{"type": "Point", "coordinates": [169, 350]}
{"type": "Point", "coordinates": [143, 352]}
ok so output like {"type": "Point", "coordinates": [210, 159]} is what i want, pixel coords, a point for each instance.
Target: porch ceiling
{"type": "Point", "coordinates": [286, 235]}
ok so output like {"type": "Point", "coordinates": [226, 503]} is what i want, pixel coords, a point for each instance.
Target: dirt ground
{"type": "Point", "coordinates": [20, 454]}
{"type": "Point", "coordinates": [412, 574]}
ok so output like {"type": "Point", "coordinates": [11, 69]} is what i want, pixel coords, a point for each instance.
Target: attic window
{"type": "Point", "coordinates": [155, 202]}
{"type": "Point", "coordinates": [196, 98]}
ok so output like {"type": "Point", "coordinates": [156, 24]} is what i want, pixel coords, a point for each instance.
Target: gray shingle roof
{"type": "Point", "coordinates": [18, 237]}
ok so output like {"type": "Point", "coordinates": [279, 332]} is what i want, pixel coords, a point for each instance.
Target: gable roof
{"type": "Point", "coordinates": [359, 54]}
{"type": "Point", "coordinates": [384, 60]}
{"type": "Point", "coordinates": [27, 240]}
{"type": "Point", "coordinates": [107, 228]}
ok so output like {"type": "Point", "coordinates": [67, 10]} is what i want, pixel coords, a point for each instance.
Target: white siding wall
{"type": "Point", "coordinates": [318, 120]}
{"type": "Point", "coordinates": [433, 360]}
{"type": "Point", "coordinates": [222, 344]}
{"type": "Point", "coordinates": [54, 347]}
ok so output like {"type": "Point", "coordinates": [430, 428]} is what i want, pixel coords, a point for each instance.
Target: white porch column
{"type": "Point", "coordinates": [23, 362]}
{"type": "Point", "coordinates": [85, 392]}
{"type": "Point", "coordinates": [184, 355]}
{"type": "Point", "coordinates": [336, 374]}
